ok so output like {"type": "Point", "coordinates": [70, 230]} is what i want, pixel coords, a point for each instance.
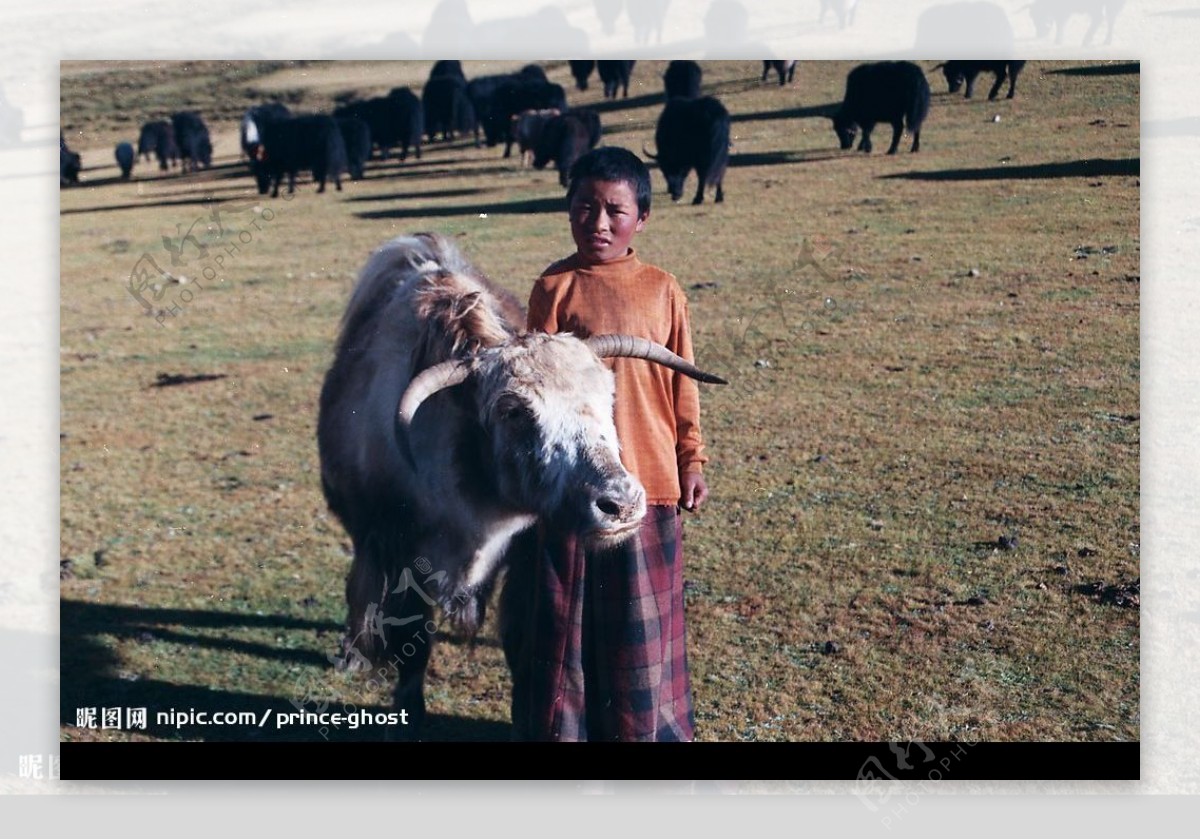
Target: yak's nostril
{"type": "Point", "coordinates": [608, 507]}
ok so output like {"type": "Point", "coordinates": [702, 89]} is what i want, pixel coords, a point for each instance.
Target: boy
{"type": "Point", "coordinates": [605, 658]}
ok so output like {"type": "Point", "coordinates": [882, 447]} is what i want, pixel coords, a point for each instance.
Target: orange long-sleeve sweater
{"type": "Point", "coordinates": [657, 411]}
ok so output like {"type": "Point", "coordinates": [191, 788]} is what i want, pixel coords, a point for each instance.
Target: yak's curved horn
{"type": "Point", "coordinates": [427, 383]}
{"type": "Point", "coordinates": [647, 154]}
{"type": "Point", "coordinates": [609, 346]}
{"type": "Point", "coordinates": [936, 67]}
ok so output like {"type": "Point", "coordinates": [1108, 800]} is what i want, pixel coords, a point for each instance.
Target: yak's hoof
{"type": "Point", "coordinates": [349, 659]}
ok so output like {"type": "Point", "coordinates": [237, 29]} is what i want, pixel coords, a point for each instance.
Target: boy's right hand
{"type": "Point", "coordinates": [694, 491]}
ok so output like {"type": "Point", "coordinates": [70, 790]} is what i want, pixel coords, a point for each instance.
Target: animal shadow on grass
{"type": "Point", "coordinates": [101, 182]}
{"type": "Point", "coordinates": [826, 110]}
{"type": "Point", "coordinates": [232, 167]}
{"type": "Point", "coordinates": [441, 167]}
{"type": "Point", "coordinates": [1069, 169]}
{"type": "Point", "coordinates": [170, 380]}
{"type": "Point", "coordinates": [783, 157]}
{"type": "Point", "coordinates": [644, 100]}
{"type": "Point", "coordinates": [181, 202]}
{"type": "Point", "coordinates": [92, 678]}
{"type": "Point", "coordinates": [1123, 69]}
{"type": "Point", "coordinates": [217, 192]}
{"type": "Point", "coordinates": [401, 196]}
{"type": "Point", "coordinates": [532, 205]}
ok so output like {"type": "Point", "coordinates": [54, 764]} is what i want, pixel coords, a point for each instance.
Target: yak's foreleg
{"type": "Point", "coordinates": [864, 145]}
{"type": "Point", "coordinates": [409, 652]}
{"type": "Point", "coordinates": [1000, 77]}
{"type": "Point", "coordinates": [366, 596]}
{"type": "Point", "coordinates": [1012, 82]}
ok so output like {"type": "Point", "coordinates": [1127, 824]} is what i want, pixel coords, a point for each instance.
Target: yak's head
{"type": "Point", "coordinates": [674, 173]}
{"type": "Point", "coordinates": [544, 408]}
{"type": "Point", "coordinates": [204, 153]}
{"type": "Point", "coordinates": [260, 167]}
{"type": "Point", "coordinates": [545, 148]}
{"type": "Point", "coordinates": [69, 166]}
{"type": "Point", "coordinates": [675, 179]}
{"type": "Point", "coordinates": [672, 167]}
{"type": "Point", "coordinates": [845, 128]}
{"type": "Point", "coordinates": [954, 77]}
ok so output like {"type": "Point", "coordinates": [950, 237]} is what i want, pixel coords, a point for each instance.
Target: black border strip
{"type": "Point", "coordinates": [931, 761]}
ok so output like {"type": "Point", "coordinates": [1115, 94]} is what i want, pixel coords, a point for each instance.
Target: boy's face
{"type": "Point", "coordinates": [604, 218]}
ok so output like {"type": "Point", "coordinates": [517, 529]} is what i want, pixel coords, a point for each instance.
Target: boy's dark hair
{"type": "Point", "coordinates": [612, 163]}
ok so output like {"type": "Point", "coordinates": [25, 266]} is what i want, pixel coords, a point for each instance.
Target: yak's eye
{"type": "Point", "coordinates": [509, 410]}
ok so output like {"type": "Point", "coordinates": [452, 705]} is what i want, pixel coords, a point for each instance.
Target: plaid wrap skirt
{"type": "Point", "coordinates": [604, 656]}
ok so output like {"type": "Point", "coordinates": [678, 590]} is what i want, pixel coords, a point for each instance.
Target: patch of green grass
{"type": "Point", "coordinates": [1074, 293]}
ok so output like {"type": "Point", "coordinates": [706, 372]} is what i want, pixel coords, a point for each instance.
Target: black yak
{"type": "Point", "coordinates": [527, 128]}
{"type": "Point", "coordinates": [786, 70]}
{"type": "Point", "coordinates": [158, 138]}
{"type": "Point", "coordinates": [682, 78]}
{"type": "Point", "coordinates": [497, 99]}
{"type": "Point", "coordinates": [581, 70]}
{"type": "Point", "coordinates": [253, 122]}
{"type": "Point", "coordinates": [693, 134]}
{"type": "Point", "coordinates": [893, 92]}
{"type": "Point", "coordinates": [312, 142]}
{"type": "Point", "coordinates": [69, 164]}
{"type": "Point", "coordinates": [125, 156]}
{"type": "Point", "coordinates": [356, 136]}
{"type": "Point", "coordinates": [565, 139]}
{"type": "Point", "coordinates": [394, 120]}
{"type": "Point", "coordinates": [191, 136]}
{"type": "Point", "coordinates": [958, 72]}
{"type": "Point", "coordinates": [446, 107]}
{"type": "Point", "coordinates": [614, 75]}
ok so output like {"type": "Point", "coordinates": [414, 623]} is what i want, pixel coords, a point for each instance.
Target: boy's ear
{"type": "Point", "coordinates": [641, 222]}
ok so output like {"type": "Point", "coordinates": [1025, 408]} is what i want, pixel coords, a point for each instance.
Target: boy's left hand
{"type": "Point", "coordinates": [695, 491]}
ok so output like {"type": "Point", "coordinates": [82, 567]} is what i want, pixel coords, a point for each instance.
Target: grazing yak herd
{"type": "Point", "coordinates": [527, 110]}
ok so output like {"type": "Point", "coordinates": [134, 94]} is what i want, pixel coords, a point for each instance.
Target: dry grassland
{"type": "Point", "coordinates": [924, 519]}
